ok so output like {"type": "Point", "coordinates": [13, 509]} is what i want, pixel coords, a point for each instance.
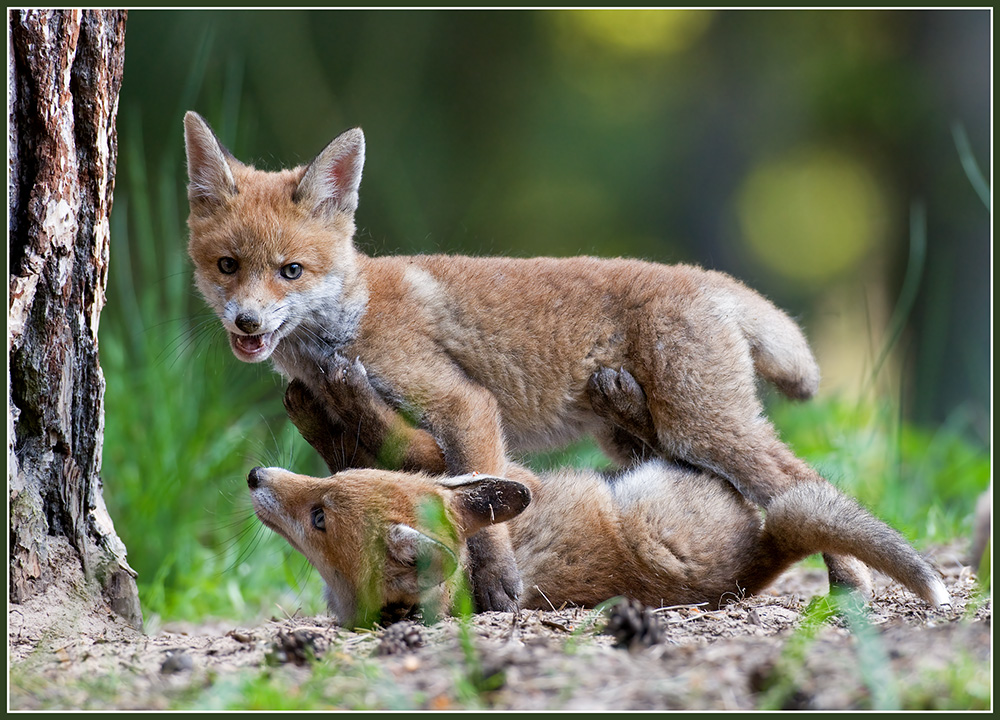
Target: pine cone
{"type": "Point", "coordinates": [634, 625]}
{"type": "Point", "coordinates": [297, 646]}
{"type": "Point", "coordinates": [399, 638]}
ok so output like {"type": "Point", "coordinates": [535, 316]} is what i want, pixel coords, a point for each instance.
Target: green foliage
{"type": "Point", "coordinates": [873, 662]}
{"type": "Point", "coordinates": [471, 682]}
{"type": "Point", "coordinates": [178, 444]}
{"type": "Point", "coordinates": [593, 618]}
{"type": "Point", "coordinates": [92, 693]}
{"type": "Point", "coordinates": [341, 682]}
{"type": "Point", "coordinates": [184, 423]}
{"type": "Point", "coordinates": [780, 685]}
{"type": "Point", "coordinates": [965, 684]}
{"type": "Point", "coordinates": [984, 577]}
{"type": "Point", "coordinates": [969, 164]}
{"type": "Point", "coordinates": [923, 482]}
{"type": "Point", "coordinates": [582, 454]}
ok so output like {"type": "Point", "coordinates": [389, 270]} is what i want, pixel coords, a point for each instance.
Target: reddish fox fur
{"type": "Point", "coordinates": [661, 533]}
{"type": "Point", "coordinates": [493, 355]}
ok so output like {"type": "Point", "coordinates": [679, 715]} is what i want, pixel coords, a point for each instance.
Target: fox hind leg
{"type": "Point", "coordinates": [701, 407]}
{"type": "Point", "coordinates": [746, 450]}
{"type": "Point", "coordinates": [627, 434]}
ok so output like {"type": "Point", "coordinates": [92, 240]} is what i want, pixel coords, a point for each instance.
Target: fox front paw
{"type": "Point", "coordinates": [310, 416]}
{"type": "Point", "coordinates": [345, 374]}
{"type": "Point", "coordinates": [493, 573]}
{"type": "Point", "coordinates": [318, 424]}
{"type": "Point", "coordinates": [347, 389]}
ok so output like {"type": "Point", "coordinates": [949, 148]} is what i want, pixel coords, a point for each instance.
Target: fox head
{"type": "Point", "coordinates": [273, 251]}
{"type": "Point", "coordinates": [383, 540]}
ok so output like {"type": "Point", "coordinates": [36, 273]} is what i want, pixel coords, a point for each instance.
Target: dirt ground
{"type": "Point", "coordinates": [740, 657]}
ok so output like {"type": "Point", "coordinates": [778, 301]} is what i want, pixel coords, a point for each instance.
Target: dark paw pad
{"type": "Point", "coordinates": [618, 391]}
{"type": "Point", "coordinates": [298, 399]}
{"type": "Point", "coordinates": [618, 397]}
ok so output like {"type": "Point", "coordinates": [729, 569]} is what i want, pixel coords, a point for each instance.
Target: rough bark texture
{"type": "Point", "coordinates": [64, 75]}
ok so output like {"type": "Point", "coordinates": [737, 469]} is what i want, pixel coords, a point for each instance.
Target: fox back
{"type": "Point", "coordinates": [667, 534]}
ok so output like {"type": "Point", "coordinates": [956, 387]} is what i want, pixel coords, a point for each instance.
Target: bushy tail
{"type": "Point", "coordinates": [815, 517]}
{"type": "Point", "coordinates": [781, 353]}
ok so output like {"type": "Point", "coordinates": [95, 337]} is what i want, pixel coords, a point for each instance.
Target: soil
{"type": "Point", "coordinates": [738, 658]}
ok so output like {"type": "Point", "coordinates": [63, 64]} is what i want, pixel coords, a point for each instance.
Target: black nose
{"type": "Point", "coordinates": [248, 322]}
{"type": "Point", "coordinates": [254, 478]}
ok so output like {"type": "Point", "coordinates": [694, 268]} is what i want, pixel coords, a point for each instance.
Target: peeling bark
{"type": "Point", "coordinates": [64, 75]}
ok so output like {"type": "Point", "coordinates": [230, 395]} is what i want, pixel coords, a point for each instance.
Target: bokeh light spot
{"type": "Point", "coordinates": [636, 32]}
{"type": "Point", "coordinates": [812, 215]}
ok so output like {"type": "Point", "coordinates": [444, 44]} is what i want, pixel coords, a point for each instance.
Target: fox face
{"type": "Point", "coordinates": [273, 252]}
{"type": "Point", "coordinates": [382, 539]}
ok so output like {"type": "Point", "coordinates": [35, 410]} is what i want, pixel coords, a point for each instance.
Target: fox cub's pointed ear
{"type": "Point", "coordinates": [332, 180]}
{"type": "Point", "coordinates": [432, 559]}
{"type": "Point", "coordinates": [481, 500]}
{"type": "Point", "coordinates": [210, 179]}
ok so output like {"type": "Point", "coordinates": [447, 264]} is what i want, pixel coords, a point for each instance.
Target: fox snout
{"type": "Point", "coordinates": [255, 478]}
{"type": "Point", "coordinates": [248, 322]}
{"type": "Point", "coordinates": [265, 503]}
{"type": "Point", "coordinates": [271, 501]}
{"type": "Point", "coordinates": [253, 334]}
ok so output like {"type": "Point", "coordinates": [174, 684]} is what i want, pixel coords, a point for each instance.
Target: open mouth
{"type": "Point", "coordinates": [252, 348]}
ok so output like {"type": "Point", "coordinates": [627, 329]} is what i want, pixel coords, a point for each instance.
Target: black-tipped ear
{"type": "Point", "coordinates": [332, 180]}
{"type": "Point", "coordinates": [210, 179]}
{"type": "Point", "coordinates": [482, 500]}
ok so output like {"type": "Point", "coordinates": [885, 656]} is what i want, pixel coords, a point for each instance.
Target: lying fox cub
{"type": "Point", "coordinates": [492, 354]}
{"type": "Point", "coordinates": [660, 533]}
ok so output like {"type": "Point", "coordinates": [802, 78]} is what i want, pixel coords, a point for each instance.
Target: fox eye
{"type": "Point", "coordinates": [291, 271]}
{"type": "Point", "coordinates": [318, 518]}
{"type": "Point", "coordinates": [228, 265]}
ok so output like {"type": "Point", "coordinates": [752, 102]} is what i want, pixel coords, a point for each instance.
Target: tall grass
{"type": "Point", "coordinates": [923, 481]}
{"type": "Point", "coordinates": [184, 420]}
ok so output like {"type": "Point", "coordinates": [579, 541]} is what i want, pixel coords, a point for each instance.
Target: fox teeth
{"type": "Point", "coordinates": [251, 348]}
{"type": "Point", "coordinates": [250, 343]}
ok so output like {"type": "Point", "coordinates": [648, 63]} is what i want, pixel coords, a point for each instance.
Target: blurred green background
{"type": "Point", "coordinates": [833, 160]}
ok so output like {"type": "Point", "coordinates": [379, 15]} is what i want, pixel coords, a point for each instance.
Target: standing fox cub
{"type": "Point", "coordinates": [660, 533]}
{"type": "Point", "coordinates": [493, 355]}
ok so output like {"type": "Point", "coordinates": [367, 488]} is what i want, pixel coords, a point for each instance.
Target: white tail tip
{"type": "Point", "coordinates": [939, 594]}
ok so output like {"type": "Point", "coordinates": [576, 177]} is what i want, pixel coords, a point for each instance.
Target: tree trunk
{"type": "Point", "coordinates": [64, 72]}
